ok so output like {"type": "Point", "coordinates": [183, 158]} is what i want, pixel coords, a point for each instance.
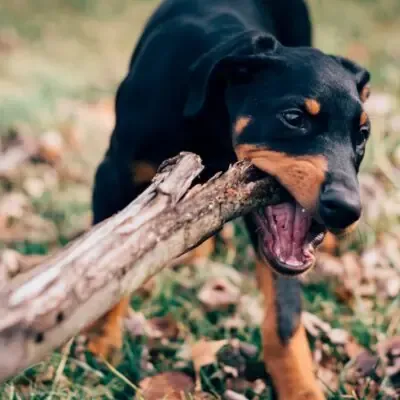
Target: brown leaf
{"type": "Point", "coordinates": [338, 336]}
{"type": "Point", "coordinates": [352, 347]}
{"type": "Point", "coordinates": [234, 322]}
{"type": "Point", "coordinates": [218, 294]}
{"type": "Point", "coordinates": [32, 228]}
{"type": "Point", "coordinates": [13, 206]}
{"type": "Point", "coordinates": [46, 375]}
{"type": "Point", "coordinates": [12, 263]}
{"type": "Point", "coordinates": [363, 366]}
{"type": "Point", "coordinates": [314, 325]}
{"type": "Point", "coordinates": [147, 288]}
{"type": "Point", "coordinates": [231, 395]}
{"type": "Point", "coordinates": [15, 149]}
{"type": "Point", "coordinates": [328, 377]}
{"type": "Point", "coordinates": [162, 328]}
{"type": "Point", "coordinates": [51, 147]}
{"type": "Point", "coordinates": [389, 350]}
{"type": "Point", "coordinates": [34, 187]}
{"type": "Point", "coordinates": [135, 324]}
{"type": "Point", "coordinates": [204, 352]}
{"type": "Point", "coordinates": [168, 385]}
{"type": "Point", "coordinates": [251, 310]}
{"type": "Point", "coordinates": [345, 295]}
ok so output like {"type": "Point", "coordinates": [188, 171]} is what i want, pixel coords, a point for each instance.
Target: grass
{"type": "Point", "coordinates": [61, 62]}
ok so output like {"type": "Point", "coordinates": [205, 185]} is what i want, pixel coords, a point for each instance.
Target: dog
{"type": "Point", "coordinates": [232, 80]}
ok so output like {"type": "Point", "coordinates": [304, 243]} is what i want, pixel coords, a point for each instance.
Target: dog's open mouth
{"type": "Point", "coordinates": [288, 236]}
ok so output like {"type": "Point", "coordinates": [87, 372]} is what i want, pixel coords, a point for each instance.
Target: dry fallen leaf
{"type": "Point", "coordinates": [204, 353]}
{"type": "Point", "coordinates": [15, 149]}
{"type": "Point", "coordinates": [135, 324]}
{"type": "Point", "coordinates": [31, 228]}
{"type": "Point", "coordinates": [338, 336]}
{"type": "Point", "coordinates": [328, 377]}
{"type": "Point", "coordinates": [167, 385]}
{"type": "Point", "coordinates": [218, 294]}
{"type": "Point", "coordinates": [314, 325]}
{"type": "Point", "coordinates": [162, 328]}
{"type": "Point", "coordinates": [352, 347]}
{"type": "Point", "coordinates": [147, 288]}
{"type": "Point", "coordinates": [251, 310]}
{"type": "Point", "coordinates": [231, 395]}
{"type": "Point", "coordinates": [389, 351]}
{"type": "Point", "coordinates": [13, 206]}
{"type": "Point", "coordinates": [13, 263]}
{"type": "Point", "coordinates": [51, 147]}
{"type": "Point", "coordinates": [34, 187]}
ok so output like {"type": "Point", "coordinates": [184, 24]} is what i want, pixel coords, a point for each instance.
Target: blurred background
{"type": "Point", "coordinates": [60, 64]}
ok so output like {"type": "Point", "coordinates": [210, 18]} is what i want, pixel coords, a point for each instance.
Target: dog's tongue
{"type": "Point", "coordinates": [289, 225]}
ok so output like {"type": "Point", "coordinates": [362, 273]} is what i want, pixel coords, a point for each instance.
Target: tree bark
{"type": "Point", "coordinates": [42, 308]}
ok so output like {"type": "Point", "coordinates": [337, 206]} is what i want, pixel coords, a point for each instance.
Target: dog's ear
{"type": "Point", "coordinates": [361, 75]}
{"type": "Point", "coordinates": [233, 59]}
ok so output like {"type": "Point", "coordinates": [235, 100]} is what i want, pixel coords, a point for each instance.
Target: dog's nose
{"type": "Point", "coordinates": [339, 210]}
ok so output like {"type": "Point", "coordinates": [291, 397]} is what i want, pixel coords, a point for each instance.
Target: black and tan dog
{"type": "Point", "coordinates": [238, 79]}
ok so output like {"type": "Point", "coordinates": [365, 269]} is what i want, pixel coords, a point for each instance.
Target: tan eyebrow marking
{"type": "Point", "coordinates": [365, 93]}
{"type": "Point", "coordinates": [363, 118]}
{"type": "Point", "coordinates": [312, 106]}
{"type": "Point", "coordinates": [241, 124]}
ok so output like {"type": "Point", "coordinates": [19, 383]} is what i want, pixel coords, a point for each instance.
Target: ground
{"type": "Point", "coordinates": [59, 69]}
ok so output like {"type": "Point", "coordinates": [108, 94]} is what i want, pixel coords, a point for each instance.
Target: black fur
{"type": "Point", "coordinates": [200, 64]}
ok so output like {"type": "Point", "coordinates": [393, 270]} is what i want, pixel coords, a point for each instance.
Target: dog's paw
{"type": "Point", "coordinates": [106, 346]}
{"type": "Point", "coordinates": [103, 340]}
{"type": "Point", "coordinates": [102, 346]}
{"type": "Point", "coordinates": [104, 337]}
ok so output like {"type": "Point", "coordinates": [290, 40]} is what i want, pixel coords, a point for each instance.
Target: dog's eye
{"type": "Point", "coordinates": [363, 134]}
{"type": "Point", "coordinates": [294, 119]}
{"type": "Point", "coordinates": [362, 139]}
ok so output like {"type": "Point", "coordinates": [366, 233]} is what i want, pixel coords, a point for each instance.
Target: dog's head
{"type": "Point", "coordinates": [298, 115]}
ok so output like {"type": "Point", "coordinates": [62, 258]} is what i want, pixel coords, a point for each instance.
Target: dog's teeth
{"type": "Point", "coordinates": [303, 210]}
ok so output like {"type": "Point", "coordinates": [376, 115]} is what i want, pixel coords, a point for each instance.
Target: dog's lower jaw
{"type": "Point", "coordinates": [287, 357]}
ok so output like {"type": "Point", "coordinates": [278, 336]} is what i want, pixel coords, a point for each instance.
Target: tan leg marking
{"type": "Point", "coordinates": [302, 176]}
{"type": "Point", "coordinates": [105, 336]}
{"type": "Point", "coordinates": [290, 365]}
{"type": "Point", "coordinates": [329, 244]}
{"type": "Point", "coordinates": [340, 233]}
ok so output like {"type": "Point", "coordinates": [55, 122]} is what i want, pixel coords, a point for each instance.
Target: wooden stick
{"type": "Point", "coordinates": [42, 308]}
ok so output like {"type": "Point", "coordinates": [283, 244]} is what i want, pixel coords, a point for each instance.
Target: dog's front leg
{"type": "Point", "coordinates": [287, 354]}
